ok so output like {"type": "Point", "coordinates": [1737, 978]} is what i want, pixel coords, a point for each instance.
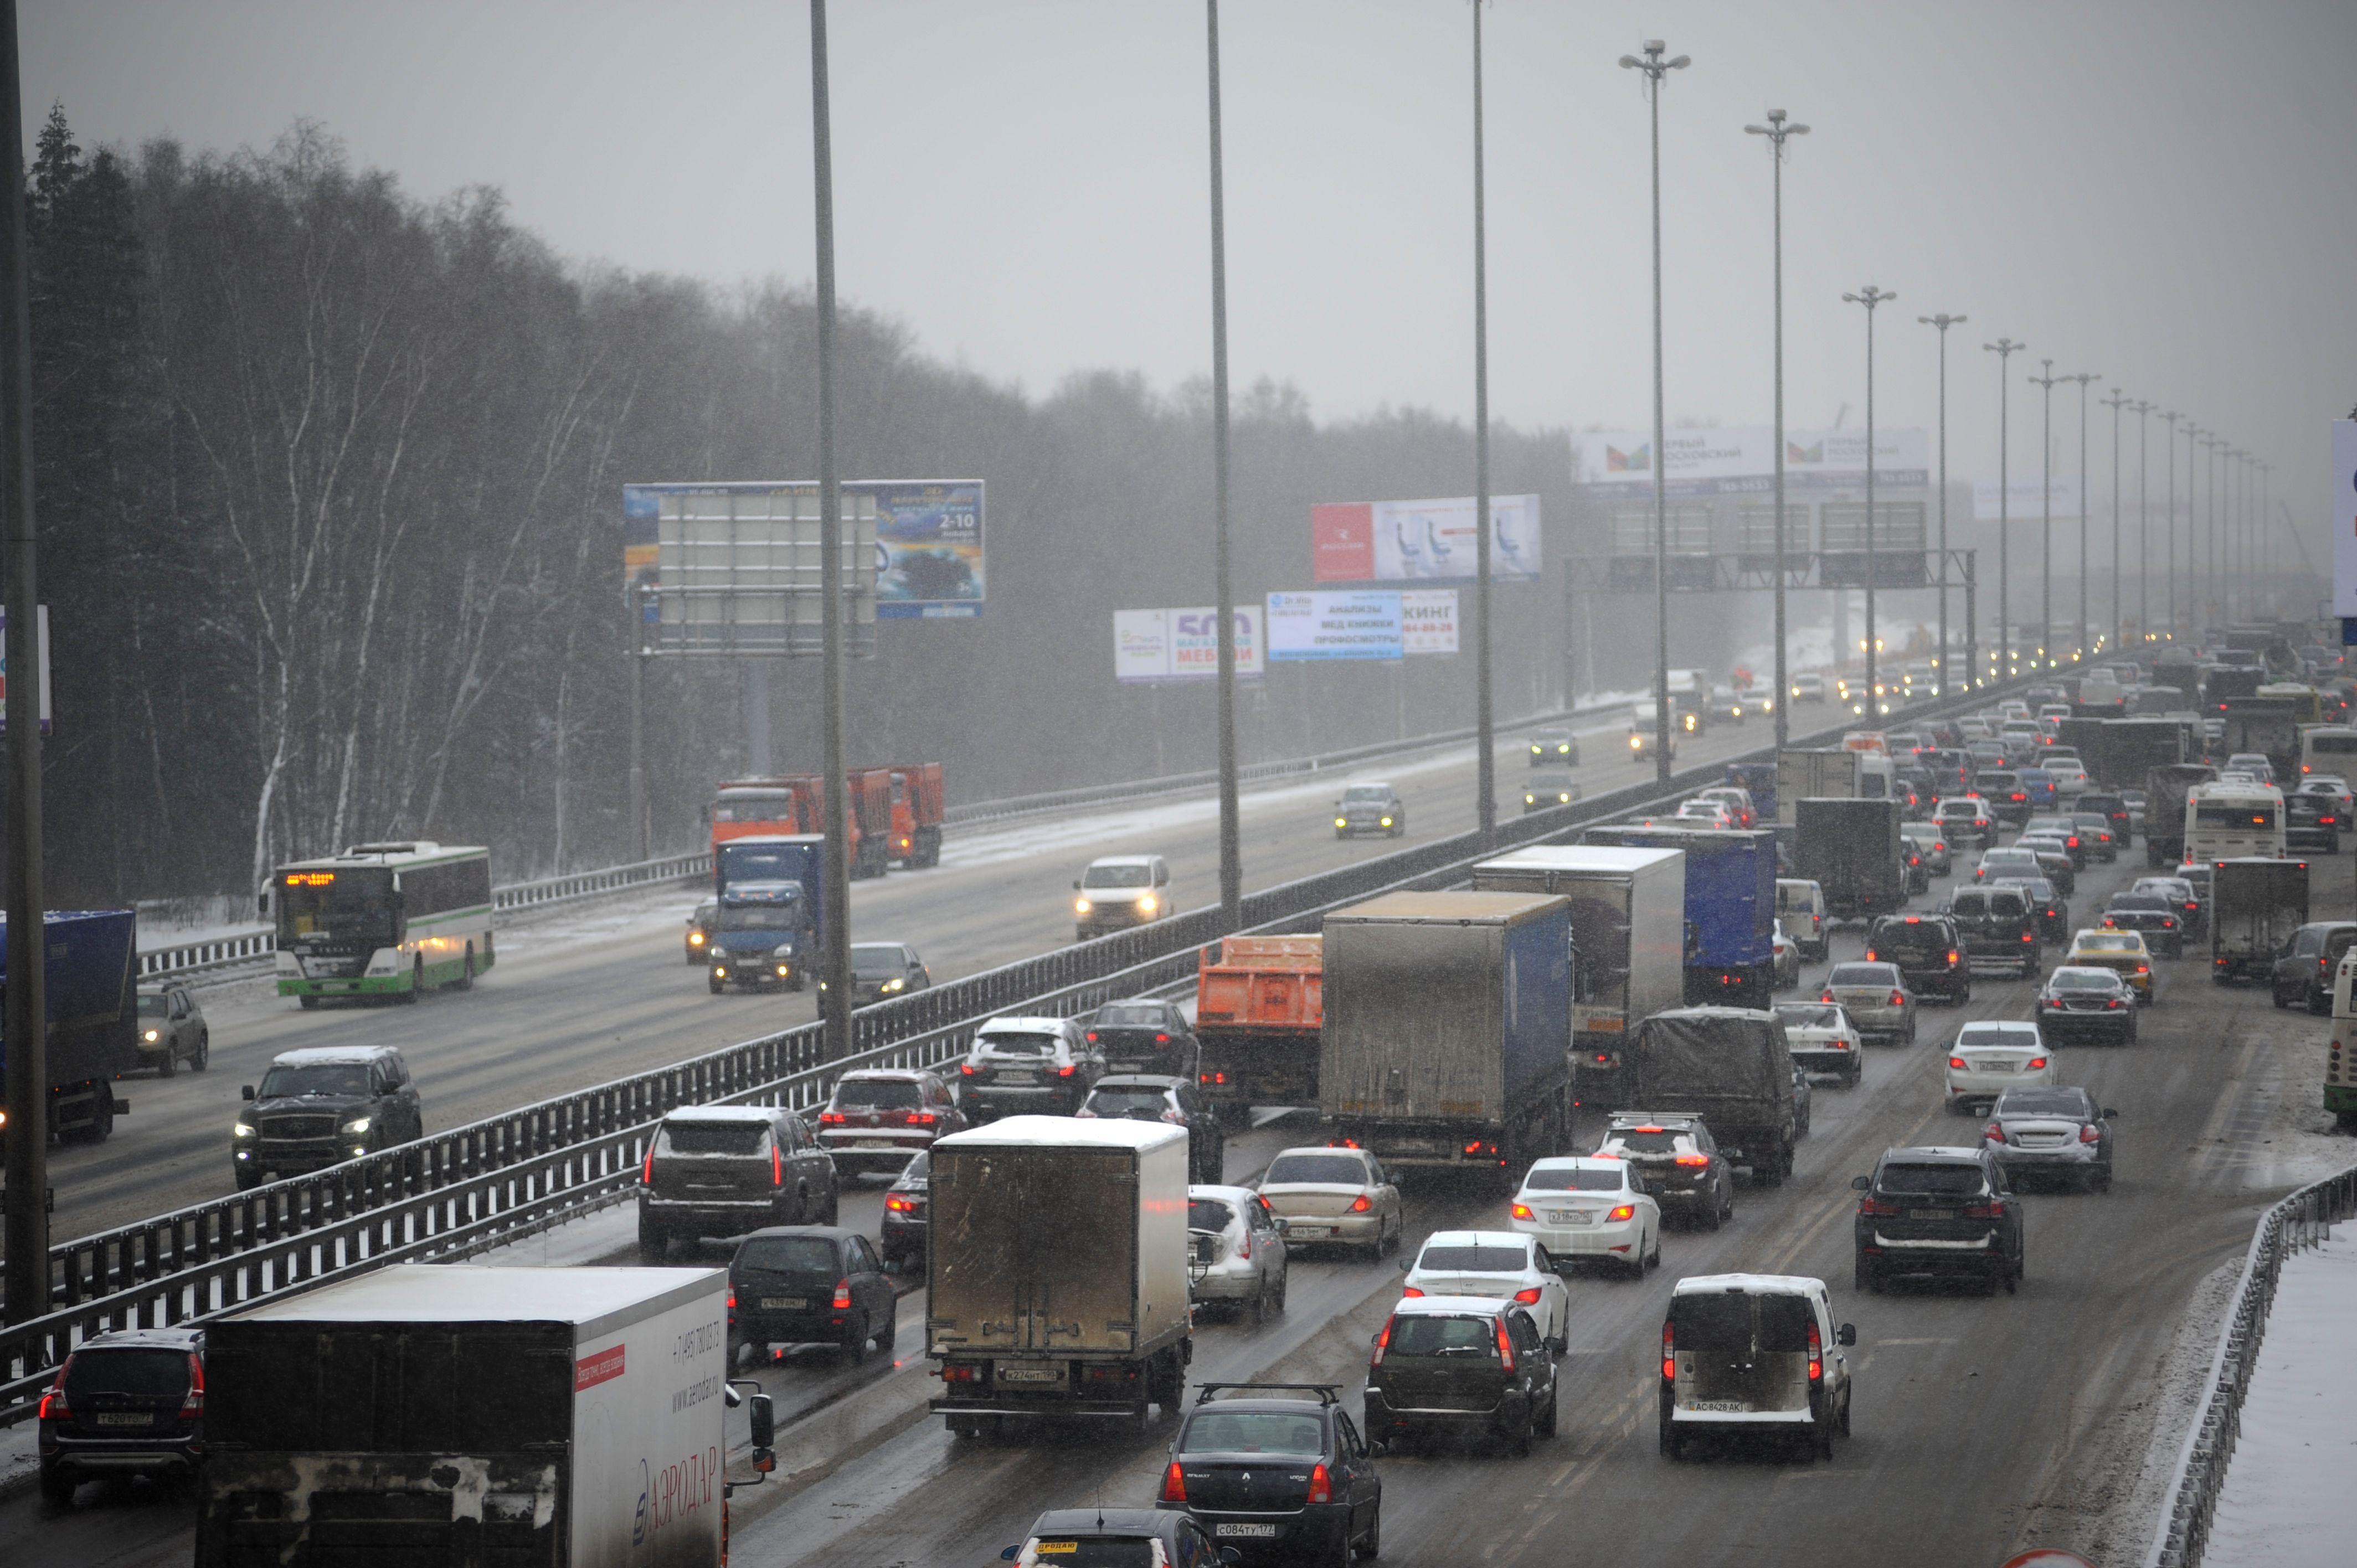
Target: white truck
{"type": "Point", "coordinates": [449, 1413]}
{"type": "Point", "coordinates": [1840, 773]}
{"type": "Point", "coordinates": [1058, 1270]}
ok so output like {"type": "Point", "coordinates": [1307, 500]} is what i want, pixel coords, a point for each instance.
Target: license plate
{"type": "Point", "coordinates": [784, 1302]}
{"type": "Point", "coordinates": [875, 1143]}
{"type": "Point", "coordinates": [1309, 1232]}
{"type": "Point", "coordinates": [1931, 1214]}
{"type": "Point", "coordinates": [135, 1418]}
{"type": "Point", "coordinates": [1006, 1077]}
{"type": "Point", "coordinates": [1233, 1527]}
{"type": "Point", "coordinates": [1719, 1407]}
{"type": "Point", "coordinates": [1031, 1374]}
{"type": "Point", "coordinates": [1567, 1216]}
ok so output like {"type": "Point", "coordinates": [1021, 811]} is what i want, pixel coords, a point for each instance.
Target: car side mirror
{"type": "Point", "coordinates": [1076, 885]}
{"type": "Point", "coordinates": [245, 1092]}
{"type": "Point", "coordinates": [1845, 1334]}
{"type": "Point", "coordinates": [1861, 1183]}
{"type": "Point", "coordinates": [1283, 1224]}
{"type": "Point", "coordinates": [262, 903]}
{"type": "Point", "coordinates": [1010, 1553]}
{"type": "Point", "coordinates": [1232, 1553]}
{"type": "Point", "coordinates": [2110, 1115]}
{"type": "Point", "coordinates": [1405, 1264]}
{"type": "Point", "coordinates": [763, 1420]}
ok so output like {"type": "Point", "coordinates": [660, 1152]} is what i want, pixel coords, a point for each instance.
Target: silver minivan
{"type": "Point", "coordinates": [1753, 1354]}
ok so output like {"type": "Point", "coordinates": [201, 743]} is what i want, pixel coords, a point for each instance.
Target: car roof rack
{"type": "Point", "coordinates": [1327, 1394]}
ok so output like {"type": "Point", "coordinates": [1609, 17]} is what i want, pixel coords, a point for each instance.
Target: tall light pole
{"type": "Point", "coordinates": [2170, 418]}
{"type": "Point", "coordinates": [2199, 626]}
{"type": "Point", "coordinates": [2144, 521]}
{"type": "Point", "coordinates": [1943, 321]}
{"type": "Point", "coordinates": [2046, 504]}
{"type": "Point", "coordinates": [1486, 765]}
{"type": "Point", "coordinates": [2005, 348]}
{"type": "Point", "coordinates": [1231, 865]}
{"type": "Point", "coordinates": [1870, 296]}
{"type": "Point", "coordinates": [1654, 69]}
{"type": "Point", "coordinates": [2215, 444]}
{"type": "Point", "coordinates": [1777, 131]}
{"type": "Point", "coordinates": [835, 893]}
{"type": "Point", "coordinates": [2083, 378]}
{"type": "Point", "coordinates": [2116, 401]}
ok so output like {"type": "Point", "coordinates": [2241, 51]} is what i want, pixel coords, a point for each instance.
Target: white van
{"type": "Point", "coordinates": [1755, 1355]}
{"type": "Point", "coordinates": [2330, 749]}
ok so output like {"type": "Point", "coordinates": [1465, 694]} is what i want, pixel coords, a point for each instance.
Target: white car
{"type": "Point", "coordinates": [1581, 1207]}
{"type": "Point", "coordinates": [1788, 959]}
{"type": "Point", "coordinates": [1823, 1039]}
{"type": "Point", "coordinates": [1501, 1264]}
{"type": "Point", "coordinates": [1990, 1058]}
{"type": "Point", "coordinates": [2069, 776]}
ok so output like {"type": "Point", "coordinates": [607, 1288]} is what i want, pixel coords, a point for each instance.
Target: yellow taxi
{"type": "Point", "coordinates": [2123, 952]}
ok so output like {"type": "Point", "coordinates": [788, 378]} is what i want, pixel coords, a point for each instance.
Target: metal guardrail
{"type": "Point", "coordinates": [2299, 1222]}
{"type": "Point", "coordinates": [506, 1172]}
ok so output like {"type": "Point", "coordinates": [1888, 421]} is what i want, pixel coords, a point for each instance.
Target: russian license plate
{"type": "Point", "coordinates": [1309, 1232]}
{"type": "Point", "coordinates": [1567, 1216]}
{"type": "Point", "coordinates": [875, 1143]}
{"type": "Point", "coordinates": [125, 1418]}
{"type": "Point", "coordinates": [1240, 1527]}
{"type": "Point", "coordinates": [1004, 1076]}
{"type": "Point", "coordinates": [1031, 1374]}
{"type": "Point", "coordinates": [784, 1302]}
{"type": "Point", "coordinates": [1931, 1214]}
{"type": "Point", "coordinates": [1719, 1407]}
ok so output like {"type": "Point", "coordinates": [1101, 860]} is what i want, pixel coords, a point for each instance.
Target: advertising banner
{"type": "Point", "coordinates": [1428, 541]}
{"type": "Point", "coordinates": [1429, 620]}
{"type": "Point", "coordinates": [928, 549]}
{"type": "Point", "coordinates": [2344, 521]}
{"type": "Point", "coordinates": [1743, 460]}
{"type": "Point", "coordinates": [1334, 623]}
{"type": "Point", "coordinates": [2022, 498]}
{"type": "Point", "coordinates": [1182, 644]}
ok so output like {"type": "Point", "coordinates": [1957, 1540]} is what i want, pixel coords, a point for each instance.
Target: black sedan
{"type": "Point", "coordinates": [1144, 1035]}
{"type": "Point", "coordinates": [1277, 1472]}
{"type": "Point", "coordinates": [906, 1210]}
{"type": "Point", "coordinates": [2082, 1001]}
{"type": "Point", "coordinates": [807, 1284]}
{"type": "Point", "coordinates": [2302, 973]}
{"type": "Point", "coordinates": [2158, 918]}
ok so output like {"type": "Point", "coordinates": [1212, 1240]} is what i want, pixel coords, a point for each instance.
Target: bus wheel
{"type": "Point", "coordinates": [466, 980]}
{"type": "Point", "coordinates": [416, 981]}
{"type": "Point", "coordinates": [308, 1002]}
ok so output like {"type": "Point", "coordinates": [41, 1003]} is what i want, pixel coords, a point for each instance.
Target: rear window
{"type": "Point", "coordinates": [1900, 937]}
{"type": "Point", "coordinates": [1210, 1214]}
{"type": "Point", "coordinates": [1135, 1102]}
{"type": "Point", "coordinates": [1945, 1181]}
{"type": "Point", "coordinates": [878, 1094]}
{"type": "Point", "coordinates": [1475, 1258]}
{"type": "Point", "coordinates": [1859, 975]}
{"type": "Point", "coordinates": [714, 1137]}
{"type": "Point", "coordinates": [1740, 1322]}
{"type": "Point", "coordinates": [788, 1255]}
{"type": "Point", "coordinates": [1997, 1035]}
{"type": "Point", "coordinates": [1132, 1016]}
{"type": "Point", "coordinates": [2082, 980]}
{"type": "Point", "coordinates": [1253, 1431]}
{"type": "Point", "coordinates": [1344, 1170]}
{"type": "Point", "coordinates": [1012, 1045]}
{"type": "Point", "coordinates": [1809, 1014]}
{"type": "Point", "coordinates": [147, 1373]}
{"type": "Point", "coordinates": [1422, 1336]}
{"type": "Point", "coordinates": [2140, 901]}
{"type": "Point", "coordinates": [1572, 1178]}
{"type": "Point", "coordinates": [2043, 1102]}
{"type": "Point", "coordinates": [1647, 1141]}
{"type": "Point", "coordinates": [1069, 1554]}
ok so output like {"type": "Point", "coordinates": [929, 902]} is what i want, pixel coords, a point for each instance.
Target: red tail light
{"type": "Point", "coordinates": [899, 1204]}
{"type": "Point", "coordinates": [1993, 1209]}
{"type": "Point", "coordinates": [1360, 1204]}
{"type": "Point", "coordinates": [193, 1405]}
{"type": "Point", "coordinates": [1953, 957]}
{"type": "Point", "coordinates": [1321, 1485]}
{"type": "Point", "coordinates": [966, 1068]}
{"type": "Point", "coordinates": [1066, 1070]}
{"type": "Point", "coordinates": [919, 1119]}
{"type": "Point", "coordinates": [1523, 1211]}
{"type": "Point", "coordinates": [732, 1302]}
{"type": "Point", "coordinates": [1956, 1064]}
{"type": "Point", "coordinates": [1158, 1040]}
{"type": "Point", "coordinates": [1694, 1159]}
{"type": "Point", "coordinates": [830, 1118]}
{"type": "Point", "coordinates": [1873, 1207]}
{"type": "Point", "coordinates": [1090, 1037]}
{"type": "Point", "coordinates": [1816, 1354]}
{"type": "Point", "coordinates": [1669, 1353]}
{"type": "Point", "coordinates": [1869, 955]}
{"type": "Point", "coordinates": [1528, 1297]}
{"type": "Point", "coordinates": [1994, 1133]}
{"type": "Point", "coordinates": [777, 1166]}
{"type": "Point", "coordinates": [1383, 1343]}
{"type": "Point", "coordinates": [647, 1171]}
{"type": "Point", "coordinates": [2089, 1135]}
{"type": "Point", "coordinates": [842, 1302]}
{"type": "Point", "coordinates": [1829, 995]}
{"type": "Point", "coordinates": [1897, 1000]}
{"type": "Point", "coordinates": [1626, 1211]}
{"type": "Point", "coordinates": [1412, 1290]}
{"type": "Point", "coordinates": [2027, 936]}
{"type": "Point", "coordinates": [53, 1403]}
{"type": "Point", "coordinates": [1505, 1346]}
{"type": "Point", "coordinates": [1174, 1485]}
{"type": "Point", "coordinates": [2036, 1062]}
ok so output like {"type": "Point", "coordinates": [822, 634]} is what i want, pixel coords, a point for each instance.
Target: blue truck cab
{"type": "Point", "coordinates": [91, 995]}
{"type": "Point", "coordinates": [761, 937]}
{"type": "Point", "coordinates": [1730, 908]}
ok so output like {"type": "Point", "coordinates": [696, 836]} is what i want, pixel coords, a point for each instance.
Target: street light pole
{"type": "Point", "coordinates": [1486, 761]}
{"type": "Point", "coordinates": [1777, 131]}
{"type": "Point", "coordinates": [835, 892]}
{"type": "Point", "coordinates": [2144, 520]}
{"type": "Point", "coordinates": [2046, 505]}
{"type": "Point", "coordinates": [1870, 296]}
{"type": "Point", "coordinates": [2116, 401]}
{"type": "Point", "coordinates": [1943, 321]}
{"type": "Point", "coordinates": [1231, 868]}
{"type": "Point", "coordinates": [2005, 348]}
{"type": "Point", "coordinates": [2170, 418]}
{"type": "Point", "coordinates": [1655, 69]}
{"type": "Point", "coordinates": [2083, 378]}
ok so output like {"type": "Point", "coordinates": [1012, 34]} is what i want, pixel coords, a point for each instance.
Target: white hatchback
{"type": "Point", "coordinates": [1580, 1206]}
{"type": "Point", "coordinates": [1501, 1264]}
{"type": "Point", "coordinates": [2070, 777]}
{"type": "Point", "coordinates": [1991, 1057]}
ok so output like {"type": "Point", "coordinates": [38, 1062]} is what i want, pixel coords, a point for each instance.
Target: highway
{"type": "Point", "coordinates": [1983, 1423]}
{"type": "Point", "coordinates": [586, 995]}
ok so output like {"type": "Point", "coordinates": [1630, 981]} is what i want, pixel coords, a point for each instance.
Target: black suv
{"type": "Point", "coordinates": [1928, 951]}
{"type": "Point", "coordinates": [321, 1106]}
{"type": "Point", "coordinates": [722, 1170]}
{"type": "Point", "coordinates": [1942, 1212]}
{"type": "Point", "coordinates": [1027, 1064]}
{"type": "Point", "coordinates": [2313, 822]}
{"type": "Point", "coordinates": [2114, 809]}
{"type": "Point", "coordinates": [1143, 1035]}
{"type": "Point", "coordinates": [2007, 796]}
{"type": "Point", "coordinates": [1152, 1097]}
{"type": "Point", "coordinates": [1996, 926]}
{"type": "Point", "coordinates": [126, 1403]}
{"type": "Point", "coordinates": [2155, 915]}
{"type": "Point", "coordinates": [810, 1285]}
{"type": "Point", "coordinates": [2303, 970]}
{"type": "Point", "coordinates": [1288, 1475]}
{"type": "Point", "coordinates": [1675, 1159]}
{"type": "Point", "coordinates": [1455, 1363]}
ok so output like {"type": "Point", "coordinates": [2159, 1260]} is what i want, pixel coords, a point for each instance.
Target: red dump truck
{"type": "Point", "coordinates": [796, 803]}
{"type": "Point", "coordinates": [916, 814]}
{"type": "Point", "coordinates": [1259, 1004]}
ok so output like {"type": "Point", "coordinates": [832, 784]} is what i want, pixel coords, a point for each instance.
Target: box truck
{"type": "Point", "coordinates": [1730, 907]}
{"type": "Point", "coordinates": [1853, 850]}
{"type": "Point", "coordinates": [1840, 773]}
{"type": "Point", "coordinates": [89, 992]}
{"type": "Point", "coordinates": [2255, 906]}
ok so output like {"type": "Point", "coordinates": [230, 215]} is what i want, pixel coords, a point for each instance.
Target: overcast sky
{"type": "Point", "coordinates": [2155, 190]}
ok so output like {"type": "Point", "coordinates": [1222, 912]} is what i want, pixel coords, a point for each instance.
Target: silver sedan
{"type": "Point", "coordinates": [1235, 1250]}
{"type": "Point", "coordinates": [1876, 997]}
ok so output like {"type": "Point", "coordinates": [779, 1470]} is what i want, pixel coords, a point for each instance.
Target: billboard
{"type": "Point", "coordinates": [2021, 498]}
{"type": "Point", "coordinates": [1334, 623]}
{"type": "Point", "coordinates": [928, 548]}
{"type": "Point", "coordinates": [1429, 541]}
{"type": "Point", "coordinates": [1182, 644]}
{"type": "Point", "coordinates": [735, 568]}
{"type": "Point", "coordinates": [2344, 520]}
{"type": "Point", "coordinates": [1429, 620]}
{"type": "Point", "coordinates": [1743, 459]}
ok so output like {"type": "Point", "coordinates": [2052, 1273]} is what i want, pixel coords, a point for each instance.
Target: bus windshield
{"type": "Point", "coordinates": [355, 904]}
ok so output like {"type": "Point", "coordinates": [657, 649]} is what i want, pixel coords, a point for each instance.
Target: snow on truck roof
{"type": "Point", "coordinates": [458, 1292]}
{"type": "Point", "coordinates": [1453, 908]}
{"type": "Point", "coordinates": [1578, 857]}
{"type": "Point", "coordinates": [1064, 1133]}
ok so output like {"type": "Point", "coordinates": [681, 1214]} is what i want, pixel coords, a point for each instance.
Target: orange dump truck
{"type": "Point", "coordinates": [1259, 1002]}
{"type": "Point", "coordinates": [916, 814]}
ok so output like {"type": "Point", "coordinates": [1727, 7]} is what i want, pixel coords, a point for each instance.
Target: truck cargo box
{"type": "Point", "coordinates": [90, 991]}
{"type": "Point", "coordinates": [1628, 926]}
{"type": "Point", "coordinates": [1852, 850]}
{"type": "Point", "coordinates": [1732, 1067]}
{"type": "Point", "coordinates": [1259, 1003]}
{"type": "Point", "coordinates": [1730, 907]}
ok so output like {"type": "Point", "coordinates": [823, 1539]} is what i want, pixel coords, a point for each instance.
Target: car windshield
{"type": "Point", "coordinates": [877, 1094]}
{"type": "Point", "coordinates": [878, 960]}
{"type": "Point", "coordinates": [1939, 1181]}
{"type": "Point", "coordinates": [1873, 974]}
{"type": "Point", "coordinates": [149, 1372]}
{"type": "Point", "coordinates": [1210, 1214]}
{"type": "Point", "coordinates": [2082, 980]}
{"type": "Point", "coordinates": [1328, 1170]}
{"type": "Point", "coordinates": [1133, 1015]}
{"type": "Point", "coordinates": [1141, 1104]}
{"type": "Point", "coordinates": [1422, 1336]}
{"type": "Point", "coordinates": [789, 1255]}
{"type": "Point", "coordinates": [1809, 1015]}
{"type": "Point", "coordinates": [317, 1078]}
{"type": "Point", "coordinates": [2044, 1102]}
{"type": "Point", "coordinates": [1013, 1044]}
{"type": "Point", "coordinates": [1473, 1258]}
{"type": "Point", "coordinates": [1573, 1179]}
{"type": "Point", "coordinates": [1367, 794]}
{"type": "Point", "coordinates": [785, 914]}
{"type": "Point", "coordinates": [1117, 877]}
{"type": "Point", "coordinates": [1217, 1431]}
{"type": "Point", "coordinates": [714, 1137]}
{"type": "Point", "coordinates": [154, 1006]}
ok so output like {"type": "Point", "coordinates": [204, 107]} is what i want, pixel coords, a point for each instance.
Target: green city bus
{"type": "Point", "coordinates": [382, 919]}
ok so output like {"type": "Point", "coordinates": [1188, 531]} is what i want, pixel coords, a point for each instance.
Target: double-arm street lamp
{"type": "Point", "coordinates": [2116, 401]}
{"type": "Point", "coordinates": [2083, 378]}
{"type": "Point", "coordinates": [1778, 133]}
{"type": "Point", "coordinates": [1655, 68]}
{"type": "Point", "coordinates": [1943, 321]}
{"type": "Point", "coordinates": [2046, 505]}
{"type": "Point", "coordinates": [1870, 296]}
{"type": "Point", "coordinates": [2005, 348]}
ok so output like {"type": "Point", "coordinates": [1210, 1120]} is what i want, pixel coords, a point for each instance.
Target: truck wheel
{"type": "Point", "coordinates": [308, 1003]}
{"type": "Point", "coordinates": [101, 1124]}
{"type": "Point", "coordinates": [716, 986]}
{"type": "Point", "coordinates": [466, 980]}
